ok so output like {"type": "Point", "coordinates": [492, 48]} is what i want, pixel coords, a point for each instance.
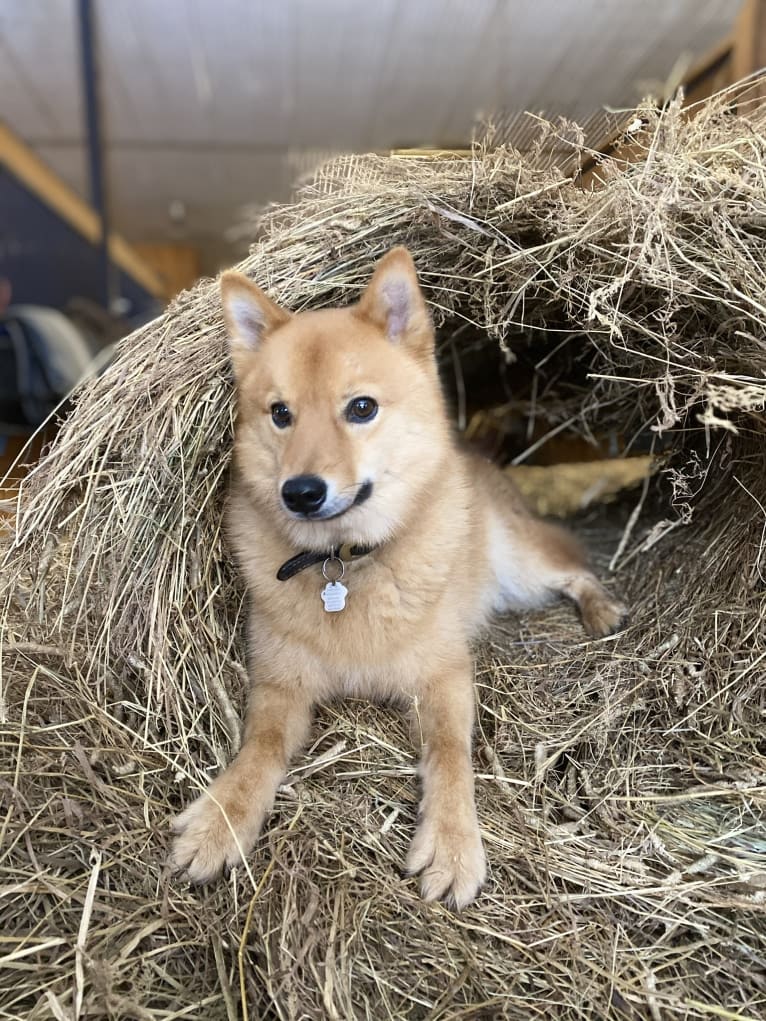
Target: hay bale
{"type": "Point", "coordinates": [621, 782]}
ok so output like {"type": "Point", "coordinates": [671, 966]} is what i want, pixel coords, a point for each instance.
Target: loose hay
{"type": "Point", "coordinates": [621, 782]}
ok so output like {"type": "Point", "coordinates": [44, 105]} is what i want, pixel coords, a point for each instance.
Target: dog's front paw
{"type": "Point", "coordinates": [213, 833]}
{"type": "Point", "coordinates": [450, 860]}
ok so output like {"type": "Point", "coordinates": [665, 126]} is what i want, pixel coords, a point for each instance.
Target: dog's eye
{"type": "Point", "coordinates": [361, 409]}
{"type": "Point", "coordinates": [280, 416]}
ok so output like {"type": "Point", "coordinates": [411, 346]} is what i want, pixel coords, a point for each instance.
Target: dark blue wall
{"type": "Point", "coordinates": [48, 261]}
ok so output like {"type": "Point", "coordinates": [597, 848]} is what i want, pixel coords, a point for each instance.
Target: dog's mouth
{"type": "Point", "coordinates": [332, 511]}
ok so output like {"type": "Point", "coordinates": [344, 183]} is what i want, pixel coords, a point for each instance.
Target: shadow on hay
{"type": "Point", "coordinates": [620, 783]}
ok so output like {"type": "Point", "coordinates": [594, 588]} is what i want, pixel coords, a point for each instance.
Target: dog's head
{"type": "Point", "coordinates": [341, 425]}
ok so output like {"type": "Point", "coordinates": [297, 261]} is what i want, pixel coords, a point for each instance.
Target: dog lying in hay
{"type": "Point", "coordinates": [373, 550]}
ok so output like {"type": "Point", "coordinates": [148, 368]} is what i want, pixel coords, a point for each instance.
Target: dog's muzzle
{"type": "Point", "coordinates": [306, 495]}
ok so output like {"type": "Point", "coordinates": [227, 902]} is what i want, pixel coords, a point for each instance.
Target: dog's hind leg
{"type": "Point", "coordinates": [535, 561]}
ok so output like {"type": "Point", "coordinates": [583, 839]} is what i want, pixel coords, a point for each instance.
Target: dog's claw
{"type": "Point", "coordinates": [208, 840]}
{"type": "Point", "coordinates": [604, 618]}
{"type": "Point", "coordinates": [450, 862]}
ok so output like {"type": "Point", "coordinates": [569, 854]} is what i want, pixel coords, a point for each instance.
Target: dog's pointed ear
{"type": "Point", "coordinates": [394, 303]}
{"type": "Point", "coordinates": [249, 314]}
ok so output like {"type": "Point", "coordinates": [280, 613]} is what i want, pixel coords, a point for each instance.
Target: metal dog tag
{"type": "Point", "coordinates": [334, 597]}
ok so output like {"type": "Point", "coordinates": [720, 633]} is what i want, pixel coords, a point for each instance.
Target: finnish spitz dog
{"type": "Point", "coordinates": [373, 550]}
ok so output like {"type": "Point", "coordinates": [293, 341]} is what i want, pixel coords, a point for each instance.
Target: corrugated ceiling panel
{"type": "Point", "coordinates": [210, 101]}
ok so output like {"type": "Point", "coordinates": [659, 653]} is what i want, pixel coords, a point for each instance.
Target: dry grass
{"type": "Point", "coordinates": [621, 783]}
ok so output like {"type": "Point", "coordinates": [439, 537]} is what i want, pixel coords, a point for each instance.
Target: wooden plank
{"type": "Point", "coordinates": [749, 50]}
{"type": "Point", "coordinates": [126, 257]}
{"type": "Point", "coordinates": [713, 72]}
{"type": "Point", "coordinates": [34, 174]}
{"type": "Point", "coordinates": [24, 164]}
{"type": "Point", "coordinates": [178, 266]}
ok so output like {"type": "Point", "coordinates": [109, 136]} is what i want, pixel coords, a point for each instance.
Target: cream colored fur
{"type": "Point", "coordinates": [453, 544]}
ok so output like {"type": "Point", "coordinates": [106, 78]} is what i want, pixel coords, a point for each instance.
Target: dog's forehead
{"type": "Point", "coordinates": [331, 345]}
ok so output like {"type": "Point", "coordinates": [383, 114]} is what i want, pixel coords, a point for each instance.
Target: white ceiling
{"type": "Point", "coordinates": [212, 102]}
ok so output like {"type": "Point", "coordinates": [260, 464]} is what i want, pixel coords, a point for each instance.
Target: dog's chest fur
{"type": "Point", "coordinates": [406, 600]}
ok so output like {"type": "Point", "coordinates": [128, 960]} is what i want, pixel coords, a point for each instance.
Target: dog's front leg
{"type": "Point", "coordinates": [447, 849]}
{"type": "Point", "coordinates": [222, 825]}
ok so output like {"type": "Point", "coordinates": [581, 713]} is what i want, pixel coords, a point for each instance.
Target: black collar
{"type": "Point", "coordinates": [306, 559]}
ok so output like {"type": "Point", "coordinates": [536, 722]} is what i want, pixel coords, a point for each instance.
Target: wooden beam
{"type": "Point", "coordinates": [177, 265]}
{"type": "Point", "coordinates": [709, 75]}
{"type": "Point", "coordinates": [712, 73]}
{"type": "Point", "coordinates": [749, 51]}
{"type": "Point", "coordinates": [24, 163]}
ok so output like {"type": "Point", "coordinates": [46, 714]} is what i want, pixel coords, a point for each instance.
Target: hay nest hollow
{"type": "Point", "coordinates": [620, 783]}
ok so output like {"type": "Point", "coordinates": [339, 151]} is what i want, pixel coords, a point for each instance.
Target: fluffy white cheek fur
{"type": "Point", "coordinates": [398, 465]}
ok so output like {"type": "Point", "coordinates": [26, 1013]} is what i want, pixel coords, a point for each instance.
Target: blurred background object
{"type": "Point", "coordinates": [208, 106]}
{"type": "Point", "coordinates": [153, 124]}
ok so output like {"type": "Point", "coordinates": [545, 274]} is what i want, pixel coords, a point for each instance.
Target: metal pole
{"type": "Point", "coordinates": [98, 194]}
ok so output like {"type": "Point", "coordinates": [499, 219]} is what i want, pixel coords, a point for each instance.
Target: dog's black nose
{"type": "Point", "coordinates": [304, 494]}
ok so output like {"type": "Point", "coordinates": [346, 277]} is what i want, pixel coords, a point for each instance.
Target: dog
{"type": "Point", "coordinates": [373, 550]}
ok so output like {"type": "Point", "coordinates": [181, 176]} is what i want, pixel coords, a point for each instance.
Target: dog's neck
{"type": "Point", "coordinates": [348, 551]}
